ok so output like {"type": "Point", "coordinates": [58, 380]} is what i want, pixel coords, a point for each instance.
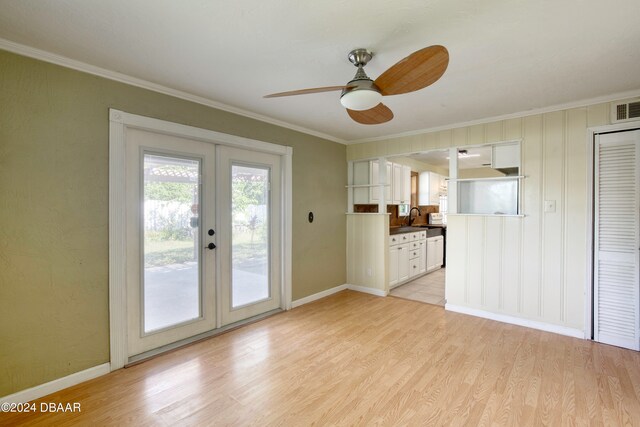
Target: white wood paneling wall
{"type": "Point", "coordinates": [368, 251]}
{"type": "Point", "coordinates": [533, 267]}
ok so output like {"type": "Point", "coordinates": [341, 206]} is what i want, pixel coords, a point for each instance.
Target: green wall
{"type": "Point", "coordinates": [54, 155]}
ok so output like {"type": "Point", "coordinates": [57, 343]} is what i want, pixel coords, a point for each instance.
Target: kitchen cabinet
{"type": "Point", "coordinates": [416, 257]}
{"type": "Point", "coordinates": [374, 192]}
{"type": "Point", "coordinates": [398, 185]}
{"type": "Point", "coordinates": [504, 156]}
{"type": "Point", "coordinates": [407, 257]}
{"type": "Point", "coordinates": [406, 184]}
{"type": "Point", "coordinates": [398, 264]}
{"type": "Point", "coordinates": [435, 253]}
{"type": "Point", "coordinates": [422, 265]}
{"type": "Point", "coordinates": [366, 174]}
{"type": "Point", "coordinates": [401, 193]}
{"type": "Point", "coordinates": [431, 186]}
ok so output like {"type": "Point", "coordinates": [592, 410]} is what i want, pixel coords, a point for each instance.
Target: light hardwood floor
{"type": "Point", "coordinates": [357, 359]}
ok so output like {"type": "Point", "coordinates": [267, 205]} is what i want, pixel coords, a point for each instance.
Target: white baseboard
{"type": "Point", "coordinates": [57, 385]}
{"type": "Point", "coordinates": [314, 297]}
{"type": "Point", "coordinates": [364, 289]}
{"type": "Point", "coordinates": [326, 293]}
{"type": "Point", "coordinates": [547, 327]}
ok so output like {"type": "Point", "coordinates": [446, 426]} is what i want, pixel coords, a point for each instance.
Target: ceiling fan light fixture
{"type": "Point", "coordinates": [360, 99]}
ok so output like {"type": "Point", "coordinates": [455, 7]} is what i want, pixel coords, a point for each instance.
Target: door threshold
{"type": "Point", "coordinates": [147, 355]}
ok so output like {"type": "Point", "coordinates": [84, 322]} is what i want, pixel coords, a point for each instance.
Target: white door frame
{"type": "Point", "coordinates": [119, 121]}
{"type": "Point", "coordinates": [588, 291]}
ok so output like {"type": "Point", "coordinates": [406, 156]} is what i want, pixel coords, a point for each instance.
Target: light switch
{"type": "Point", "coordinates": [549, 205]}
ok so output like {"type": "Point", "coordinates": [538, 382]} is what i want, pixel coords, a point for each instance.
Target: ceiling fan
{"type": "Point", "coordinates": [361, 96]}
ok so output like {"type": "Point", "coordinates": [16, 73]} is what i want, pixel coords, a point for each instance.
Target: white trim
{"type": "Point", "coordinates": [334, 290]}
{"type": "Point", "coordinates": [534, 324]}
{"type": "Point", "coordinates": [588, 285]}
{"type": "Point", "coordinates": [552, 108]}
{"type": "Point", "coordinates": [287, 228]}
{"type": "Point", "coordinates": [56, 385]}
{"type": "Point", "coordinates": [319, 295]}
{"type": "Point", "coordinates": [185, 131]}
{"type": "Point", "coordinates": [364, 289]}
{"type": "Point", "coordinates": [117, 261]}
{"type": "Point", "coordinates": [119, 121]}
{"type": "Point", "coordinates": [144, 84]}
{"type": "Point", "coordinates": [588, 291]}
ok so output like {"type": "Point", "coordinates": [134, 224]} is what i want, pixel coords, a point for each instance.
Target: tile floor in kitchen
{"type": "Point", "coordinates": [428, 288]}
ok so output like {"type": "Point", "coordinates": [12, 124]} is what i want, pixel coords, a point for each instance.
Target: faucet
{"type": "Point", "coordinates": [411, 210]}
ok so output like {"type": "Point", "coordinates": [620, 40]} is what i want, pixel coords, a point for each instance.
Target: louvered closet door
{"type": "Point", "coordinates": [617, 239]}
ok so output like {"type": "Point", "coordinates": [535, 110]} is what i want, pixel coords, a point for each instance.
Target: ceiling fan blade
{"type": "Point", "coordinates": [374, 116]}
{"type": "Point", "coordinates": [306, 91]}
{"type": "Point", "coordinates": [417, 71]}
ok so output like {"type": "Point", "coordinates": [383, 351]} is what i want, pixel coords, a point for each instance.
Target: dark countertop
{"type": "Point", "coordinates": [432, 230]}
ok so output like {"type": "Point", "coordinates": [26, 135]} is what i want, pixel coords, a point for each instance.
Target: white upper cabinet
{"type": "Point", "coordinates": [504, 156]}
{"type": "Point", "coordinates": [431, 185]}
{"type": "Point", "coordinates": [397, 189]}
{"type": "Point", "coordinates": [374, 192]}
{"type": "Point", "coordinates": [361, 177]}
{"type": "Point", "coordinates": [366, 174]}
{"type": "Point", "coordinates": [406, 184]}
{"type": "Point", "coordinates": [401, 184]}
{"type": "Point", "coordinates": [397, 184]}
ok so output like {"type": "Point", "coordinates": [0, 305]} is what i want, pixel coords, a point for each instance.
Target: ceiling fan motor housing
{"type": "Point", "coordinates": [360, 57]}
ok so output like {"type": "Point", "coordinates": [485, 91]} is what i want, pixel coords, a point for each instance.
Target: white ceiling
{"type": "Point", "coordinates": [506, 56]}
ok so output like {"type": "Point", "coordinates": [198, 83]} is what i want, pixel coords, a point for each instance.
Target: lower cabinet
{"type": "Point", "coordinates": [398, 264]}
{"type": "Point", "coordinates": [415, 254]}
{"type": "Point", "coordinates": [435, 252]}
{"type": "Point", "coordinates": [407, 257]}
{"type": "Point", "coordinates": [423, 257]}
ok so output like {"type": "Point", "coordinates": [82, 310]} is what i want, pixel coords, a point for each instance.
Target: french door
{"type": "Point", "coordinates": [170, 209]}
{"type": "Point", "coordinates": [202, 237]}
{"type": "Point", "coordinates": [249, 227]}
{"type": "Point", "coordinates": [616, 299]}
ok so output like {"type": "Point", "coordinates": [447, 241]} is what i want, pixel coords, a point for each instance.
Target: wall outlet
{"type": "Point", "coordinates": [369, 272]}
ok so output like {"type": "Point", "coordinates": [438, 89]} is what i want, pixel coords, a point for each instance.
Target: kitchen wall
{"type": "Point", "coordinates": [396, 220]}
{"type": "Point", "coordinates": [534, 267]}
{"type": "Point", "coordinates": [54, 194]}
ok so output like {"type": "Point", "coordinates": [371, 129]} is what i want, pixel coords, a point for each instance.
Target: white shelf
{"type": "Point", "coordinates": [495, 178]}
{"type": "Point", "coordinates": [495, 215]}
{"type": "Point", "coordinates": [366, 185]}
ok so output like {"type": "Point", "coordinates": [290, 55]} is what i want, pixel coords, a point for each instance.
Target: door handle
{"type": "Point", "coordinates": [210, 246]}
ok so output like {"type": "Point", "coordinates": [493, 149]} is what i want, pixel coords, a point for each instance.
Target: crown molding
{"type": "Point", "coordinates": [576, 104]}
{"type": "Point", "coordinates": [63, 61]}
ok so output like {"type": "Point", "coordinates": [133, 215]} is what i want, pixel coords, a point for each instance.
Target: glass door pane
{"type": "Point", "coordinates": [249, 234]}
{"type": "Point", "coordinates": [171, 282]}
